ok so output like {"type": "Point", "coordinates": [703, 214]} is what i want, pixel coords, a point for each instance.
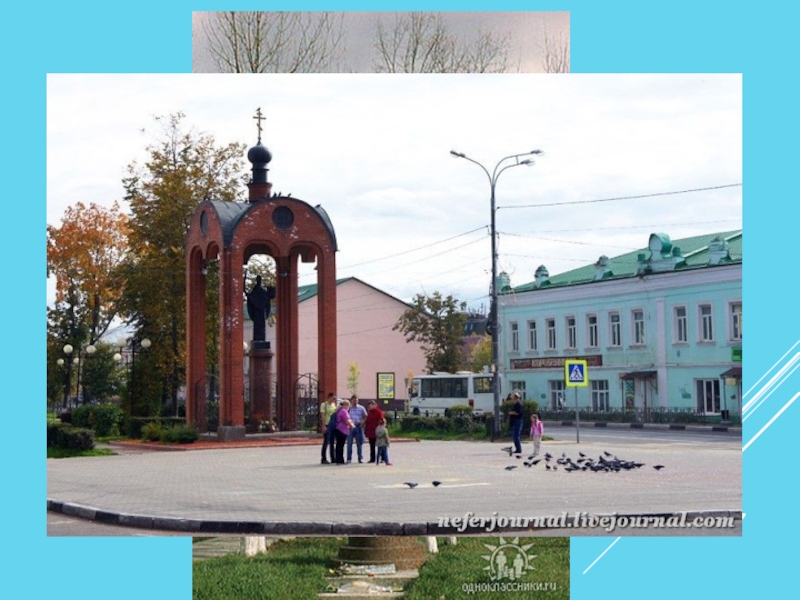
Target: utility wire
{"type": "Point", "coordinates": [705, 189]}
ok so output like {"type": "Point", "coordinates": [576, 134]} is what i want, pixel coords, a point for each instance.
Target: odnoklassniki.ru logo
{"type": "Point", "coordinates": [508, 560]}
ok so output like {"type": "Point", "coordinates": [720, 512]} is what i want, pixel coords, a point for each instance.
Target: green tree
{"type": "Point", "coordinates": [182, 169]}
{"type": "Point", "coordinates": [438, 324]}
{"type": "Point", "coordinates": [353, 375]}
{"type": "Point", "coordinates": [479, 355]}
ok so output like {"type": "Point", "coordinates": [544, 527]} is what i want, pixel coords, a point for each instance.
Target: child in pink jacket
{"type": "Point", "coordinates": [537, 429]}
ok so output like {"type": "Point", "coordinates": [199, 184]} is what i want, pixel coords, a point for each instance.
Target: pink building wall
{"type": "Point", "coordinates": [365, 317]}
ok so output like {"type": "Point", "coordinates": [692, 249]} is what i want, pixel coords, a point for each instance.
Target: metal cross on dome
{"type": "Point", "coordinates": [259, 118]}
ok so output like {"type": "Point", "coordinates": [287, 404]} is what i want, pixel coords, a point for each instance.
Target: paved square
{"type": "Point", "coordinates": [288, 484]}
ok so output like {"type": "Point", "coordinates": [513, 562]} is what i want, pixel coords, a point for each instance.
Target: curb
{"type": "Point", "coordinates": [323, 528]}
{"type": "Point", "coordinates": [653, 426]}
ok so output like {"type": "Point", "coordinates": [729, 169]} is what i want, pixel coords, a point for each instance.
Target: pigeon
{"type": "Point", "coordinates": [582, 455]}
{"type": "Point", "coordinates": [548, 467]}
{"type": "Point", "coordinates": [509, 467]}
{"type": "Point", "coordinates": [518, 456]}
{"type": "Point", "coordinates": [506, 449]}
{"type": "Point", "coordinates": [548, 455]}
{"type": "Point", "coordinates": [536, 462]}
{"type": "Point", "coordinates": [607, 453]}
{"type": "Point", "coordinates": [411, 484]}
{"type": "Point", "coordinates": [436, 483]}
{"type": "Point", "coordinates": [658, 467]}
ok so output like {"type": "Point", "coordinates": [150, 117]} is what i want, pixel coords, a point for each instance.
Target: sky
{"type": "Point", "coordinates": [525, 31]}
{"type": "Point", "coordinates": [374, 151]}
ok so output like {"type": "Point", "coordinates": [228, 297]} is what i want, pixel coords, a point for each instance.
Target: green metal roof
{"type": "Point", "coordinates": [694, 254]}
{"type": "Point", "coordinates": [305, 292]}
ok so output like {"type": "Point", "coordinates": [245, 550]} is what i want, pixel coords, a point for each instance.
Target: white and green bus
{"type": "Point", "coordinates": [436, 394]}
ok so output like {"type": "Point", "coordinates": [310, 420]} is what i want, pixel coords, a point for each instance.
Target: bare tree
{"type": "Point", "coordinates": [420, 42]}
{"type": "Point", "coordinates": [556, 53]}
{"type": "Point", "coordinates": [275, 42]}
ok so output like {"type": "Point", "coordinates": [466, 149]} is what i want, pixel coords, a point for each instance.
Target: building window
{"type": "Point", "coordinates": [706, 323]}
{"type": "Point", "coordinates": [591, 330]}
{"type": "Point", "coordinates": [514, 336]}
{"type": "Point", "coordinates": [599, 394]}
{"type": "Point", "coordinates": [572, 333]}
{"type": "Point", "coordinates": [551, 334]}
{"type": "Point", "coordinates": [533, 338]}
{"type": "Point", "coordinates": [708, 395]}
{"type": "Point", "coordinates": [681, 325]}
{"type": "Point", "coordinates": [615, 330]}
{"type": "Point", "coordinates": [638, 327]}
{"type": "Point", "coordinates": [556, 395]}
{"type": "Point", "coordinates": [736, 321]}
{"type": "Point", "coordinates": [518, 386]}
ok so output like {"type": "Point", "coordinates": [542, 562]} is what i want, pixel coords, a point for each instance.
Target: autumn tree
{"type": "Point", "coordinates": [274, 42]}
{"type": "Point", "coordinates": [182, 169]}
{"type": "Point", "coordinates": [420, 42]}
{"type": "Point", "coordinates": [438, 324]}
{"type": "Point", "coordinates": [84, 255]}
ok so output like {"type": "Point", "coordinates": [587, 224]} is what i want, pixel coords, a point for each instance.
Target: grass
{"type": "Point", "coordinates": [297, 568]}
{"type": "Point", "coordinates": [67, 453]}
{"type": "Point", "coordinates": [290, 569]}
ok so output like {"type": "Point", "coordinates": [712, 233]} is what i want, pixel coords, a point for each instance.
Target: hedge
{"type": "Point", "coordinates": [61, 435]}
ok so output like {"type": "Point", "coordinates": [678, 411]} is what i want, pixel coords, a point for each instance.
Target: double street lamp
{"type": "Point", "coordinates": [492, 326]}
{"type": "Point", "coordinates": [68, 350]}
{"type": "Point", "coordinates": [124, 350]}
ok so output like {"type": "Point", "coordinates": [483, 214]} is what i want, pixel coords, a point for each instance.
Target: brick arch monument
{"type": "Point", "coordinates": [290, 231]}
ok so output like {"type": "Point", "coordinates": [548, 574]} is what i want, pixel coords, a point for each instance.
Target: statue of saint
{"type": "Point", "coordinates": [259, 304]}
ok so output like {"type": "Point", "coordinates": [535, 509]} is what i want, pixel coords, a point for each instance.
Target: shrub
{"type": "Point", "coordinates": [181, 434]}
{"type": "Point", "coordinates": [67, 437]}
{"type": "Point", "coordinates": [460, 410]}
{"type": "Point", "coordinates": [152, 431]}
{"type": "Point", "coordinates": [103, 419]}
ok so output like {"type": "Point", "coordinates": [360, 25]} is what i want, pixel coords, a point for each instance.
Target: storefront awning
{"type": "Point", "coordinates": [733, 373]}
{"type": "Point", "coordinates": [638, 375]}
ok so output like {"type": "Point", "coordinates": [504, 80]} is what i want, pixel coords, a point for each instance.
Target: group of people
{"type": "Point", "coordinates": [515, 421]}
{"type": "Point", "coordinates": [346, 421]}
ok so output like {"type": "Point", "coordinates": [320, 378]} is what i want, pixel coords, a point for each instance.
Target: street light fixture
{"type": "Point", "coordinates": [492, 326]}
{"type": "Point", "coordinates": [122, 345]}
{"type": "Point", "coordinates": [67, 349]}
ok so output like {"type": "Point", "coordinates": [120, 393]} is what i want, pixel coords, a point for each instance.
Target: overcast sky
{"type": "Point", "coordinates": [525, 32]}
{"type": "Point", "coordinates": [374, 151]}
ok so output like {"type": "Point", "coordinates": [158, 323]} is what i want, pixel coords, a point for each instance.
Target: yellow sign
{"type": "Point", "coordinates": [385, 386]}
{"type": "Point", "coordinates": [576, 373]}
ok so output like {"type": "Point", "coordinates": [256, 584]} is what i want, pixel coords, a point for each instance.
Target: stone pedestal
{"type": "Point", "coordinates": [228, 433]}
{"type": "Point", "coordinates": [261, 380]}
{"type": "Point", "coordinates": [403, 552]}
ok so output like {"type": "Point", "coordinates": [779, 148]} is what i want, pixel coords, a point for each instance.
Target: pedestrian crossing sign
{"type": "Point", "coordinates": [576, 373]}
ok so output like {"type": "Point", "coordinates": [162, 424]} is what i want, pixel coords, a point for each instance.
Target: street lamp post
{"type": "Point", "coordinates": [493, 326]}
{"type": "Point", "coordinates": [67, 349]}
{"type": "Point", "coordinates": [122, 344]}
{"type": "Point", "coordinates": [80, 391]}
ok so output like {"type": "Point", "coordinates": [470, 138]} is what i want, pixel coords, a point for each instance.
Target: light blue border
{"type": "Point", "coordinates": [758, 40]}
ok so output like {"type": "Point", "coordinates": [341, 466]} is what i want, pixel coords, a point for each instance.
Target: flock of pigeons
{"type": "Point", "coordinates": [605, 463]}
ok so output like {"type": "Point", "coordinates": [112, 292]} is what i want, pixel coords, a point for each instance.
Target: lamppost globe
{"type": "Point", "coordinates": [117, 356]}
{"type": "Point", "coordinates": [60, 362]}
{"type": "Point", "coordinates": [76, 361]}
{"type": "Point", "coordinates": [68, 349]}
{"type": "Point", "coordinates": [145, 343]}
{"type": "Point", "coordinates": [90, 349]}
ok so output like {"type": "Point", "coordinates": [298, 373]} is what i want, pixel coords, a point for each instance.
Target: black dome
{"type": "Point", "coordinates": [259, 155]}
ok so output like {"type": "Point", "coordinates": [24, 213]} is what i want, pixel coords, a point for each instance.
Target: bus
{"type": "Point", "coordinates": [435, 394]}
